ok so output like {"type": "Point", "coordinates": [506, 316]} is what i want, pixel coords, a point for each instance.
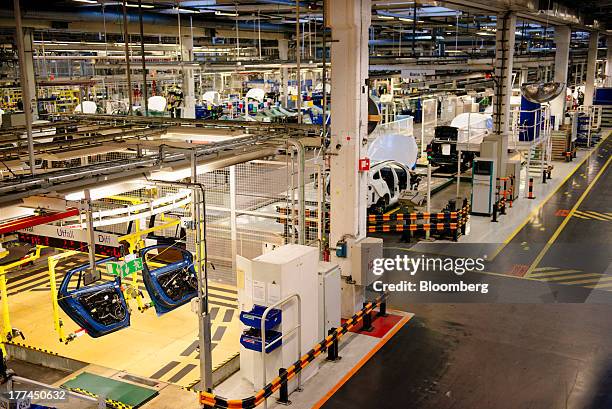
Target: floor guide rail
{"type": "Point", "coordinates": [210, 400]}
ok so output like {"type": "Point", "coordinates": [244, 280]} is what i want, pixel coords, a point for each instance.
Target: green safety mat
{"type": "Point", "coordinates": [126, 393]}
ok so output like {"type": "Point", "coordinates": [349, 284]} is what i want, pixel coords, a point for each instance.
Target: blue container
{"type": "Point", "coordinates": [603, 96]}
{"type": "Point", "coordinates": [251, 339]}
{"type": "Point", "coordinates": [253, 318]}
{"type": "Point", "coordinates": [528, 120]}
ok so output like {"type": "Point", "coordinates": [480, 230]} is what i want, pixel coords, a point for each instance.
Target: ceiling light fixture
{"type": "Point", "coordinates": [144, 6]}
{"type": "Point", "coordinates": [87, 1]}
{"type": "Point", "coordinates": [409, 20]}
{"type": "Point", "coordinates": [223, 13]}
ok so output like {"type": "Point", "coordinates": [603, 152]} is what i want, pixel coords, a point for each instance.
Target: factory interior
{"type": "Point", "coordinates": [318, 203]}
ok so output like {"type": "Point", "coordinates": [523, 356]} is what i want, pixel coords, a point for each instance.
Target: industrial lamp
{"type": "Point", "coordinates": [540, 92]}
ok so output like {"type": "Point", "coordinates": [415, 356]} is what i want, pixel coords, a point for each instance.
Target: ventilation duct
{"type": "Point", "coordinates": [540, 92]}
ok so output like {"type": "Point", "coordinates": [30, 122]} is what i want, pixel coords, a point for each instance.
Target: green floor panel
{"type": "Point", "coordinates": [123, 392]}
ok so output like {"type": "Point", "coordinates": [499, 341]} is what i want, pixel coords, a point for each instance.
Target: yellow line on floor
{"type": "Point", "coordinates": [596, 215]}
{"type": "Point", "coordinates": [570, 277]}
{"type": "Point", "coordinates": [546, 268]}
{"type": "Point", "coordinates": [567, 219]}
{"type": "Point", "coordinates": [592, 280]}
{"type": "Point", "coordinates": [597, 286]}
{"type": "Point", "coordinates": [392, 211]}
{"type": "Point", "coordinates": [554, 273]}
{"type": "Point", "coordinates": [537, 208]}
{"type": "Point", "coordinates": [582, 217]}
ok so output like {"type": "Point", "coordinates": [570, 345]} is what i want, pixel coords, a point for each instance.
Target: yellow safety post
{"type": "Point", "coordinates": [7, 330]}
{"type": "Point", "coordinates": [52, 263]}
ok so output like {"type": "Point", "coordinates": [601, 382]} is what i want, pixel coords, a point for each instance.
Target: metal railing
{"type": "Point", "coordinates": [297, 328]}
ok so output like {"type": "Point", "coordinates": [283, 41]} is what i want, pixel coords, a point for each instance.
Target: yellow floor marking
{"type": "Point", "coordinates": [546, 268]}
{"type": "Point", "coordinates": [570, 277]}
{"type": "Point", "coordinates": [588, 215]}
{"type": "Point", "coordinates": [392, 211]}
{"type": "Point", "coordinates": [582, 217]}
{"type": "Point", "coordinates": [567, 219]}
{"type": "Point", "coordinates": [597, 215]}
{"type": "Point", "coordinates": [604, 285]}
{"type": "Point", "coordinates": [539, 206]}
{"type": "Point", "coordinates": [554, 273]}
{"type": "Point", "coordinates": [591, 280]}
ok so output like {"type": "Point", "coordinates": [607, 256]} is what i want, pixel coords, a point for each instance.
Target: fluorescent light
{"type": "Point", "coordinates": [385, 17]}
{"type": "Point", "coordinates": [406, 19]}
{"type": "Point", "coordinates": [223, 13]}
{"type": "Point", "coordinates": [485, 33]}
{"type": "Point", "coordinates": [144, 6]}
{"type": "Point", "coordinates": [87, 1]}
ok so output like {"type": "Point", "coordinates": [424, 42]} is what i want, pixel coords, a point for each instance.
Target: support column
{"type": "Point", "coordinates": [189, 99]}
{"type": "Point", "coordinates": [350, 22]}
{"type": "Point", "coordinates": [283, 54]}
{"type": "Point", "coordinates": [563, 35]}
{"type": "Point", "coordinates": [589, 86]}
{"type": "Point", "coordinates": [609, 61]}
{"type": "Point", "coordinates": [504, 57]}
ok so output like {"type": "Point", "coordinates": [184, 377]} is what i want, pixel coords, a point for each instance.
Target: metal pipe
{"type": "Point", "coordinates": [127, 57]}
{"type": "Point", "coordinates": [145, 90]}
{"type": "Point", "coordinates": [298, 60]}
{"type": "Point", "coordinates": [25, 86]}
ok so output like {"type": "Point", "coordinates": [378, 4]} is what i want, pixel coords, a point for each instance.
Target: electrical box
{"type": "Point", "coordinates": [362, 254]}
{"type": "Point", "coordinates": [329, 297]}
{"type": "Point", "coordinates": [513, 169]}
{"type": "Point", "coordinates": [484, 176]}
{"type": "Point", "coordinates": [265, 280]}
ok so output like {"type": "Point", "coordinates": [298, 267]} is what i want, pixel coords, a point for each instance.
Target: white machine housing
{"type": "Point", "coordinates": [513, 168]}
{"type": "Point", "coordinates": [484, 176]}
{"type": "Point", "coordinates": [271, 277]}
{"type": "Point", "coordinates": [329, 297]}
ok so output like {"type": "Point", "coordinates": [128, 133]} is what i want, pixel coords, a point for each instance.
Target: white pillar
{"type": "Point", "coordinates": [589, 86]}
{"type": "Point", "coordinates": [283, 54]}
{"type": "Point", "coordinates": [350, 22]}
{"type": "Point", "coordinates": [504, 58]}
{"type": "Point", "coordinates": [563, 35]}
{"type": "Point", "coordinates": [189, 99]}
{"type": "Point", "coordinates": [609, 61]}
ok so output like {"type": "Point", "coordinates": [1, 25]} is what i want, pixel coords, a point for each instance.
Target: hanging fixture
{"type": "Point", "coordinates": [540, 92]}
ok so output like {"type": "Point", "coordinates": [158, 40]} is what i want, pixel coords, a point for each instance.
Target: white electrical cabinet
{"type": "Point", "coordinates": [513, 168]}
{"type": "Point", "coordinates": [484, 174]}
{"type": "Point", "coordinates": [267, 279]}
{"type": "Point", "coordinates": [329, 297]}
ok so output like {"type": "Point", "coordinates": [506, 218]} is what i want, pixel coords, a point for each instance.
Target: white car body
{"type": "Point", "coordinates": [386, 180]}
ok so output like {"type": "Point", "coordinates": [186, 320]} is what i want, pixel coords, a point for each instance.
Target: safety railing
{"type": "Point", "coordinates": [285, 334]}
{"type": "Point", "coordinates": [210, 400]}
{"type": "Point", "coordinates": [447, 223]}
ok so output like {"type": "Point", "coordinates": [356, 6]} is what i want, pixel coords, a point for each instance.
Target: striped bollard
{"type": "Point", "coordinates": [530, 195]}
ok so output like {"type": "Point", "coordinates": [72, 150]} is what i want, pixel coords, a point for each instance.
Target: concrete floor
{"type": "Point", "coordinates": [543, 338]}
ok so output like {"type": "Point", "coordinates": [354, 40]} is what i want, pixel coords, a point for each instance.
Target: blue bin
{"type": "Point", "coordinates": [251, 339]}
{"type": "Point", "coordinates": [253, 318]}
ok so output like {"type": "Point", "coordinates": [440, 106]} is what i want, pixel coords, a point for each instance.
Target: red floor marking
{"type": "Point", "coordinates": [382, 325]}
{"type": "Point", "coordinates": [519, 270]}
{"type": "Point", "coordinates": [562, 213]}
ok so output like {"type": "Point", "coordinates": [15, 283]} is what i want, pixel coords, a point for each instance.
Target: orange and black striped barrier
{"type": "Point", "coordinates": [530, 192]}
{"type": "Point", "coordinates": [377, 218]}
{"type": "Point", "coordinates": [210, 400]}
{"type": "Point", "coordinates": [411, 227]}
